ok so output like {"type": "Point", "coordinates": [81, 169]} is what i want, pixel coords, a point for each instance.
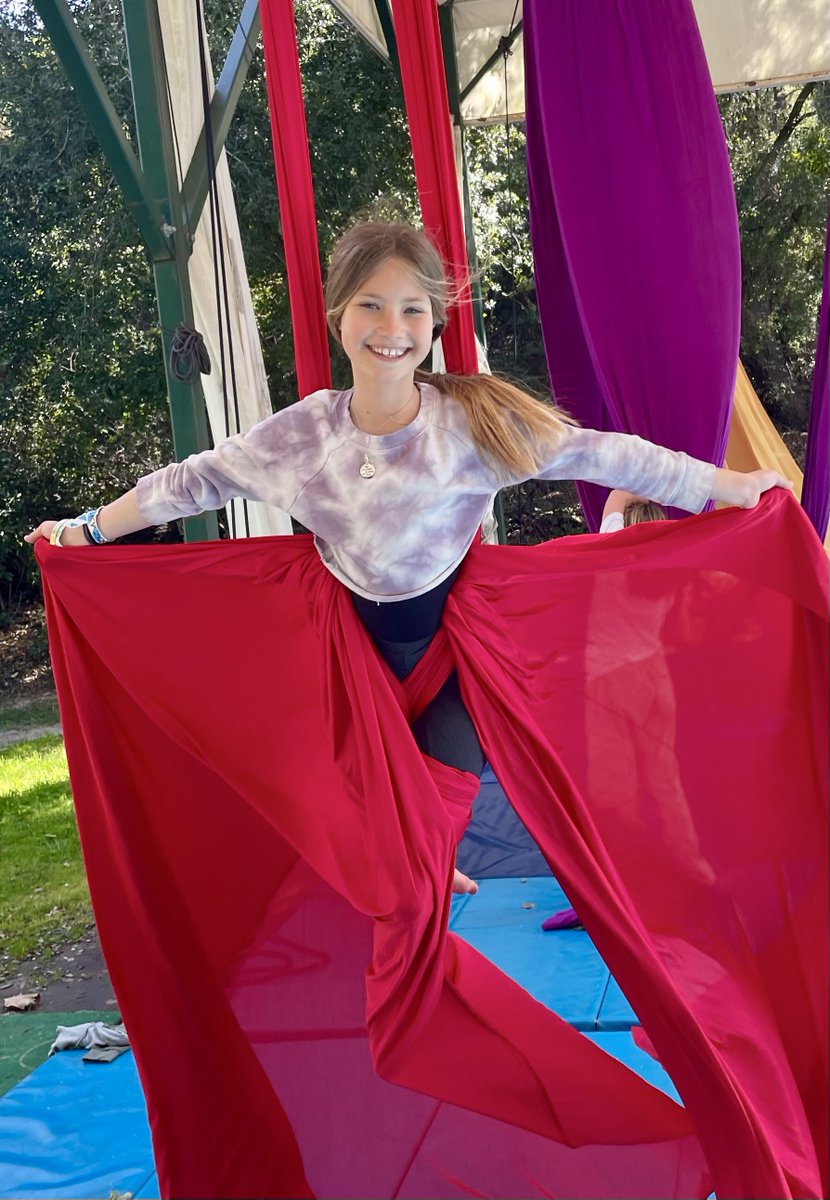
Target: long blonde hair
{"type": "Point", "coordinates": [513, 429]}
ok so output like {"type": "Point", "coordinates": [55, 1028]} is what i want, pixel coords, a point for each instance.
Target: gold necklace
{"type": "Point", "coordinates": [367, 467]}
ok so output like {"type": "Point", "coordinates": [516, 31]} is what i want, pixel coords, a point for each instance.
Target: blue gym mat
{"type": "Point", "coordinates": [75, 1129]}
{"type": "Point", "coordinates": [561, 969]}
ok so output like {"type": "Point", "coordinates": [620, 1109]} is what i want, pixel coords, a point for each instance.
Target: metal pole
{"type": "Point", "coordinates": [222, 107]}
{"type": "Point", "coordinates": [157, 153]}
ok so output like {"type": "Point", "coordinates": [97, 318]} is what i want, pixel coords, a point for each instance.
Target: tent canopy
{"type": "Point", "coordinates": [748, 43]}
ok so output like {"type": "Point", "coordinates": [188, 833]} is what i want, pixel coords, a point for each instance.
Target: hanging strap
{"type": "Point", "coordinates": [430, 131]}
{"type": "Point", "coordinates": [227, 364]}
{"type": "Point", "coordinates": [816, 491]}
{"type": "Point", "coordinates": [295, 194]}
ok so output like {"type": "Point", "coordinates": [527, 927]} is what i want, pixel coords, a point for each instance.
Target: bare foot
{"type": "Point", "coordinates": [462, 884]}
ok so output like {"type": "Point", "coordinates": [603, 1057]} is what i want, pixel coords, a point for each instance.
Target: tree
{"type": "Point", "coordinates": [83, 393]}
{"type": "Point", "coordinates": [779, 144]}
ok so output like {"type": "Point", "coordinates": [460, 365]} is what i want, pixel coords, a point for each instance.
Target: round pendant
{"type": "Point", "coordinates": [367, 469]}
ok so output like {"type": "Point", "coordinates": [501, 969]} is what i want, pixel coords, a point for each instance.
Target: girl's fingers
{"type": "Point", "coordinates": [771, 479]}
{"type": "Point", "coordinates": [764, 481]}
{"type": "Point", "coordinates": [43, 530]}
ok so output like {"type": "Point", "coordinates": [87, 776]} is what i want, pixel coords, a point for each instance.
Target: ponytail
{"type": "Point", "coordinates": [514, 430]}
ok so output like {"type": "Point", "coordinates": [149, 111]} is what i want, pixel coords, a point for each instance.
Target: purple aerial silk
{"type": "Point", "coordinates": [633, 222]}
{"type": "Point", "coordinates": [815, 495]}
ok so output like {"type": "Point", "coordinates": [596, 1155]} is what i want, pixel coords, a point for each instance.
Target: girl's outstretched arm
{"type": "Point", "coordinates": [115, 520]}
{"type": "Point", "coordinates": [669, 477]}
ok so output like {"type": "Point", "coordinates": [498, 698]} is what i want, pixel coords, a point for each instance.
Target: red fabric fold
{"type": "Point", "coordinates": [458, 789]}
{"type": "Point", "coordinates": [270, 861]}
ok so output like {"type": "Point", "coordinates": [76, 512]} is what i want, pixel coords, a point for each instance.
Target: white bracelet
{"type": "Point", "coordinates": [90, 519]}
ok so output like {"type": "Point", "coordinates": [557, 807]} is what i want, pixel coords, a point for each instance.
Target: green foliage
{"type": "Point", "coordinates": [84, 407]}
{"type": "Point", "coordinates": [779, 144]}
{"type": "Point", "coordinates": [498, 199]}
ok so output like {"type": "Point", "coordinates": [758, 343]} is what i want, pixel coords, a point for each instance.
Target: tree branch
{"type": "Point", "coordinates": [794, 119]}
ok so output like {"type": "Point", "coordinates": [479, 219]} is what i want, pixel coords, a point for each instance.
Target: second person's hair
{"type": "Point", "coordinates": [637, 511]}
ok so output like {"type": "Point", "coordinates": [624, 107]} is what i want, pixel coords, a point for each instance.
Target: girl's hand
{"type": "Point", "coordinates": [745, 488]}
{"type": "Point", "coordinates": [71, 536]}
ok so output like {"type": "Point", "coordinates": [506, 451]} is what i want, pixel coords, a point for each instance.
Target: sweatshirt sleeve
{"type": "Point", "coordinates": [270, 462]}
{"type": "Point", "coordinates": [622, 460]}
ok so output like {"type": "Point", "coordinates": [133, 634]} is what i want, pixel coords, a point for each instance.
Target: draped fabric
{"type": "Point", "coordinates": [295, 192]}
{"type": "Point", "coordinates": [816, 491]}
{"type": "Point", "coordinates": [179, 29]}
{"type": "Point", "coordinates": [433, 155]}
{"type": "Point", "coordinates": [633, 222]}
{"type": "Point", "coordinates": [270, 857]}
{"type": "Point", "coordinates": [754, 442]}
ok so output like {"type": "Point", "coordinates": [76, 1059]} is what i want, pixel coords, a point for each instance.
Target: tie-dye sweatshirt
{"type": "Point", "coordinates": [402, 531]}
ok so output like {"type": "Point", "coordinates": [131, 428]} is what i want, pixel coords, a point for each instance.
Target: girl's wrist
{"type": "Point", "coordinates": [729, 487]}
{"type": "Point", "coordinates": [73, 535]}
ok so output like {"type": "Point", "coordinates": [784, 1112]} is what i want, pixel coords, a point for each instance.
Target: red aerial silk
{"type": "Point", "coordinates": [425, 91]}
{"type": "Point", "coordinates": [270, 855]}
{"type": "Point", "coordinates": [430, 131]}
{"type": "Point", "coordinates": [295, 190]}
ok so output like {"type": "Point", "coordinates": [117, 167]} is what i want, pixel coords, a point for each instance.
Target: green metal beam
{"type": "Point", "coordinates": [387, 26]}
{"type": "Point", "coordinates": [498, 53]}
{"type": "Point", "coordinates": [157, 152]}
{"type": "Point", "coordinates": [76, 61]}
{"type": "Point", "coordinates": [450, 63]}
{"type": "Point", "coordinates": [222, 108]}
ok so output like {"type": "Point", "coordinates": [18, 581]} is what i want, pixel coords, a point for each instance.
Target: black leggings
{"type": "Point", "coordinates": [402, 630]}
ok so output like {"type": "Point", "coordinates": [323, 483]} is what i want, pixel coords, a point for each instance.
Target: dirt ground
{"type": "Point", "coordinates": [73, 979]}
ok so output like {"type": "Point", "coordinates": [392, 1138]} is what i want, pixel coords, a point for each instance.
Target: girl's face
{"type": "Point", "coordinates": [386, 327]}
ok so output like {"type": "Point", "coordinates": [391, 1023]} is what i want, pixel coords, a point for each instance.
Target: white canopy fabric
{"type": "Point", "coordinates": [749, 43]}
{"type": "Point", "coordinates": [181, 46]}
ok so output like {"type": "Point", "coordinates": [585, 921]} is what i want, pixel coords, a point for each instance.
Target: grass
{"type": "Point", "coordinates": [27, 713]}
{"type": "Point", "coordinates": [44, 901]}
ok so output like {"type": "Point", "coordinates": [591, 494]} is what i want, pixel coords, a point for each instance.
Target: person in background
{"type": "Point", "coordinates": [624, 508]}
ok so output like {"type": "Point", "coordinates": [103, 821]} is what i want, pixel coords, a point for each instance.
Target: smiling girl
{"type": "Point", "coordinates": [394, 475]}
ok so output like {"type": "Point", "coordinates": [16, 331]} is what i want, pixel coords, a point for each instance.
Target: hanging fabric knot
{"type": "Point", "coordinates": [188, 355]}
